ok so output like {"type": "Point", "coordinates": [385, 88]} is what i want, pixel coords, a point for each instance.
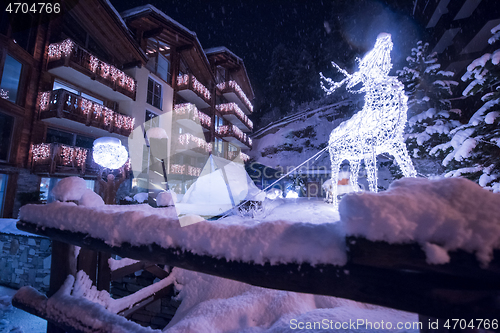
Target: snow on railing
{"type": "Point", "coordinates": [233, 108]}
{"type": "Point", "coordinates": [184, 80]}
{"type": "Point", "coordinates": [192, 112]}
{"type": "Point", "coordinates": [186, 138]}
{"type": "Point", "coordinates": [109, 72]}
{"type": "Point", "coordinates": [233, 85]}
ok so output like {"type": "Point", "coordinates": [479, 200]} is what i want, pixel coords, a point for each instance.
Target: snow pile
{"type": "Point", "coordinates": [212, 304]}
{"type": "Point", "coordinates": [69, 188]}
{"type": "Point", "coordinates": [166, 198]}
{"type": "Point", "coordinates": [76, 311]}
{"type": "Point", "coordinates": [280, 237]}
{"type": "Point", "coordinates": [75, 189]}
{"type": "Point", "coordinates": [141, 197]}
{"type": "Point", "coordinates": [5, 308]}
{"type": "Point", "coordinates": [441, 215]}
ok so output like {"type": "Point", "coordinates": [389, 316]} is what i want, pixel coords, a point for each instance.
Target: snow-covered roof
{"type": "Point", "coordinates": [141, 10]}
{"type": "Point", "coordinates": [221, 49]}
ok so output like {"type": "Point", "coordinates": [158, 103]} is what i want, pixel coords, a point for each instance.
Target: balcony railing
{"type": "Point", "coordinates": [231, 109]}
{"type": "Point", "coordinates": [188, 141]}
{"type": "Point", "coordinates": [68, 53]}
{"type": "Point", "coordinates": [58, 158]}
{"type": "Point", "coordinates": [63, 104]}
{"type": "Point", "coordinates": [233, 87]}
{"type": "Point", "coordinates": [185, 169]}
{"type": "Point", "coordinates": [189, 112]}
{"type": "Point", "coordinates": [188, 82]}
{"type": "Point", "coordinates": [235, 154]}
{"type": "Point", "coordinates": [233, 134]}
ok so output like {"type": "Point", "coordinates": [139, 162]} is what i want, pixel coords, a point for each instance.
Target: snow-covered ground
{"type": "Point", "coordinates": [13, 320]}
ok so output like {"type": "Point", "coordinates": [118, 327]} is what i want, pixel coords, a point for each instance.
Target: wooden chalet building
{"type": "Point", "coordinates": [88, 72]}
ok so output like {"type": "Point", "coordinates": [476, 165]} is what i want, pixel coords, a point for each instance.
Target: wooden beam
{"type": "Point", "coordinates": [421, 291]}
{"type": "Point", "coordinates": [152, 33]}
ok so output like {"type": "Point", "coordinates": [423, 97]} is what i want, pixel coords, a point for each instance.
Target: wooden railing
{"type": "Point", "coordinates": [233, 131]}
{"type": "Point", "coordinates": [64, 104]}
{"type": "Point", "coordinates": [232, 86]}
{"type": "Point", "coordinates": [391, 275]}
{"type": "Point", "coordinates": [191, 112]}
{"type": "Point", "coordinates": [55, 158]}
{"type": "Point", "coordinates": [233, 108]}
{"type": "Point", "coordinates": [68, 53]}
{"type": "Point", "coordinates": [189, 81]}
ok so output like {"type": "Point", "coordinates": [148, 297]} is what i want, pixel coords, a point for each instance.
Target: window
{"type": "Point", "coordinates": [151, 120]}
{"type": "Point", "coordinates": [6, 130]}
{"type": "Point", "coordinates": [11, 77]}
{"type": "Point", "coordinates": [219, 121]}
{"type": "Point", "coordinates": [163, 68]}
{"type": "Point", "coordinates": [61, 85]}
{"type": "Point", "coordinates": [3, 186]}
{"type": "Point", "coordinates": [154, 93]}
{"type": "Point", "coordinates": [70, 139]}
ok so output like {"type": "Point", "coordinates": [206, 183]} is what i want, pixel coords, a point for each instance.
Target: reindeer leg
{"type": "Point", "coordinates": [335, 158]}
{"type": "Point", "coordinates": [371, 167]}
{"type": "Point", "coordinates": [354, 171]}
{"type": "Point", "coordinates": [403, 160]}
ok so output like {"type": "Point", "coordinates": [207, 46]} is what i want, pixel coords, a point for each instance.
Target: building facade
{"type": "Point", "coordinates": [86, 72]}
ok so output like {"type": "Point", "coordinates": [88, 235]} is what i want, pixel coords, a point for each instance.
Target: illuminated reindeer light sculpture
{"type": "Point", "coordinates": [378, 127]}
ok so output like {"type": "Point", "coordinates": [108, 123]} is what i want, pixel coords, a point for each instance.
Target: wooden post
{"type": "Point", "coordinates": [87, 262]}
{"type": "Point", "coordinates": [103, 272]}
{"type": "Point", "coordinates": [63, 263]}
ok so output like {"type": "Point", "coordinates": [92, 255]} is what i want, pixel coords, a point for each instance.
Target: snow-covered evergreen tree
{"type": "Point", "coordinates": [430, 116]}
{"type": "Point", "coordinates": [474, 148]}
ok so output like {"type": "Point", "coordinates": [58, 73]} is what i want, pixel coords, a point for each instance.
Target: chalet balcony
{"type": "Point", "coordinates": [233, 93]}
{"type": "Point", "coordinates": [234, 135]}
{"type": "Point", "coordinates": [75, 64]}
{"type": "Point", "coordinates": [193, 91]}
{"type": "Point", "coordinates": [233, 113]}
{"type": "Point", "coordinates": [184, 169]}
{"type": "Point", "coordinates": [232, 155]}
{"type": "Point", "coordinates": [60, 107]}
{"type": "Point", "coordinates": [56, 158]}
{"type": "Point", "coordinates": [190, 117]}
{"type": "Point", "coordinates": [192, 145]}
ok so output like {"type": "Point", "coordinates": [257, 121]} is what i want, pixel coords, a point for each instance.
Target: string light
{"type": "Point", "coordinates": [193, 171]}
{"type": "Point", "coordinates": [44, 100]}
{"type": "Point", "coordinates": [232, 84]}
{"type": "Point", "coordinates": [183, 81]}
{"type": "Point", "coordinates": [233, 130]}
{"type": "Point", "coordinates": [66, 47]}
{"type": "Point", "coordinates": [67, 155]}
{"type": "Point", "coordinates": [233, 108]}
{"type": "Point", "coordinates": [186, 138]}
{"type": "Point", "coordinates": [40, 152]}
{"type": "Point", "coordinates": [378, 127]}
{"type": "Point", "coordinates": [177, 169]}
{"type": "Point", "coordinates": [80, 156]}
{"type": "Point", "coordinates": [109, 153]}
{"type": "Point", "coordinates": [4, 94]}
{"type": "Point", "coordinates": [58, 50]}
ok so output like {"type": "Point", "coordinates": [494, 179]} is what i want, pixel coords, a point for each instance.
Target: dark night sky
{"type": "Point", "coordinates": [251, 29]}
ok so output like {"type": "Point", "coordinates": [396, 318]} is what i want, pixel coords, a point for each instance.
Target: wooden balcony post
{"type": "Point", "coordinates": [63, 263]}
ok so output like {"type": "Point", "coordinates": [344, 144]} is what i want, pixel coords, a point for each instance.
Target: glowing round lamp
{"type": "Point", "coordinates": [109, 153]}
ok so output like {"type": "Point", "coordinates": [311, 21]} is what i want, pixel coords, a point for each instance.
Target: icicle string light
{"type": "Point", "coordinates": [229, 108]}
{"type": "Point", "coordinates": [177, 169]}
{"type": "Point", "coordinates": [186, 138]}
{"type": "Point", "coordinates": [193, 171]}
{"type": "Point", "coordinates": [232, 84]}
{"type": "Point", "coordinates": [40, 152]}
{"type": "Point", "coordinates": [378, 127]}
{"type": "Point", "coordinates": [65, 48]}
{"type": "Point", "coordinates": [86, 106]}
{"type": "Point", "coordinates": [233, 130]}
{"type": "Point", "coordinates": [183, 81]}
{"type": "Point", "coordinates": [192, 112]}
{"type": "Point", "coordinates": [4, 94]}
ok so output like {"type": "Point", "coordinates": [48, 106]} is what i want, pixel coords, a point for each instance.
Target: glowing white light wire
{"type": "Point", "coordinates": [378, 127]}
